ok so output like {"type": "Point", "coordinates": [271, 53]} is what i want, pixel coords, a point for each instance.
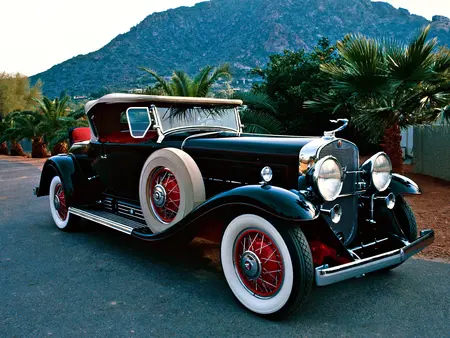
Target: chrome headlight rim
{"type": "Point", "coordinates": [377, 168]}
{"type": "Point", "coordinates": [316, 176]}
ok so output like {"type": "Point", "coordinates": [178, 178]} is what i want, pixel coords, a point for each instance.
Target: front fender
{"type": "Point", "coordinates": [216, 211]}
{"type": "Point", "coordinates": [402, 185]}
{"type": "Point", "coordinates": [279, 202]}
{"type": "Point", "coordinates": [64, 167]}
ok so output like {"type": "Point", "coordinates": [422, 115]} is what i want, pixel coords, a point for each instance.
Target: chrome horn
{"type": "Point", "coordinates": [331, 134]}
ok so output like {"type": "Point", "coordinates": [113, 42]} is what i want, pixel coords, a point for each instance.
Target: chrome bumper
{"type": "Point", "coordinates": [326, 275]}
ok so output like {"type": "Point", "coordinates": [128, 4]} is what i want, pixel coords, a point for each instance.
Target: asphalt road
{"type": "Point", "coordinates": [98, 282]}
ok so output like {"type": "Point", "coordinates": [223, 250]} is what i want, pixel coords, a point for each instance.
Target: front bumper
{"type": "Point", "coordinates": [326, 275]}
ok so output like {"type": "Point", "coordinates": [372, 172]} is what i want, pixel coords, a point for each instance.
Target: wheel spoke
{"type": "Point", "coordinates": [167, 201]}
{"type": "Point", "coordinates": [259, 263]}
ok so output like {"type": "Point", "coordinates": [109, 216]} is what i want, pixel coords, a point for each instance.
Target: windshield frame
{"type": "Point", "coordinates": [162, 132]}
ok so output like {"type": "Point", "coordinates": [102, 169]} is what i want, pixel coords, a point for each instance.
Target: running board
{"type": "Point", "coordinates": [108, 219]}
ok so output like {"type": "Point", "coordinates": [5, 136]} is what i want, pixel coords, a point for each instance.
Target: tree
{"type": "Point", "coordinates": [16, 94]}
{"type": "Point", "coordinates": [3, 145]}
{"type": "Point", "coordinates": [385, 86]}
{"type": "Point", "coordinates": [289, 79]}
{"type": "Point", "coordinates": [56, 121]}
{"type": "Point", "coordinates": [181, 84]}
{"type": "Point", "coordinates": [27, 125]}
{"type": "Point", "coordinates": [9, 133]}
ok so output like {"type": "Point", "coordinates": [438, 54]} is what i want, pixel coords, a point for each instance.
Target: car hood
{"type": "Point", "coordinates": [240, 157]}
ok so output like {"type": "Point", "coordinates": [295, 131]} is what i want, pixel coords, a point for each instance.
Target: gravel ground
{"type": "Point", "coordinates": [432, 210]}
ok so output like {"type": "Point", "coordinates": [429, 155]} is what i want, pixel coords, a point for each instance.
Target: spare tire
{"type": "Point", "coordinates": [170, 187]}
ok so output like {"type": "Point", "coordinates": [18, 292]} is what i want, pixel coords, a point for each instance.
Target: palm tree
{"type": "Point", "coordinates": [27, 125]}
{"type": "Point", "coordinates": [260, 114]}
{"type": "Point", "coordinates": [9, 133]}
{"type": "Point", "coordinates": [386, 86]}
{"type": "Point", "coordinates": [56, 121]}
{"type": "Point", "coordinates": [3, 145]}
{"type": "Point", "coordinates": [181, 84]}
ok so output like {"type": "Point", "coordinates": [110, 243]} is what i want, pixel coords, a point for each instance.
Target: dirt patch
{"type": "Point", "coordinates": [432, 211]}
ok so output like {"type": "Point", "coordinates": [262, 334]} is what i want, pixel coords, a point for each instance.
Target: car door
{"type": "Point", "coordinates": [124, 153]}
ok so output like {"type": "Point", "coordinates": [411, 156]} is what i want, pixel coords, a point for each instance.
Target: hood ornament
{"type": "Point", "coordinates": [328, 135]}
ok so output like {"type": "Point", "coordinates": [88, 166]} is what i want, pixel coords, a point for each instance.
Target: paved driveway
{"type": "Point", "coordinates": [98, 282]}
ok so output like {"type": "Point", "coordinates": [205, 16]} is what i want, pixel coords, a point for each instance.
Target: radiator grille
{"type": "Point", "coordinates": [348, 156]}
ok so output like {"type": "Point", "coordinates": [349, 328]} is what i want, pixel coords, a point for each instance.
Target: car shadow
{"type": "Point", "coordinates": [199, 260]}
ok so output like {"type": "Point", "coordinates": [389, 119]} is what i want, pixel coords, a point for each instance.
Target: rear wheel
{"type": "Point", "coordinates": [269, 271]}
{"type": "Point", "coordinates": [59, 207]}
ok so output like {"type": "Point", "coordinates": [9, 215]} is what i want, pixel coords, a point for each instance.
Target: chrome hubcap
{"type": "Point", "coordinates": [159, 195]}
{"type": "Point", "coordinates": [251, 265]}
{"type": "Point", "coordinates": [56, 202]}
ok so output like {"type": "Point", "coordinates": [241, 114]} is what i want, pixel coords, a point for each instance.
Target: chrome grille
{"type": "Point", "coordinates": [348, 156]}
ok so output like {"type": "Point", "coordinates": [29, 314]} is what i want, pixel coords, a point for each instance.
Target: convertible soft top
{"type": "Point", "coordinates": [131, 98]}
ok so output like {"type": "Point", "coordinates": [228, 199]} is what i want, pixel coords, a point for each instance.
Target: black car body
{"type": "Point", "coordinates": [304, 200]}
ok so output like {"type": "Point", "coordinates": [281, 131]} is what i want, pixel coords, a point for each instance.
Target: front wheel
{"type": "Point", "coordinates": [269, 271]}
{"type": "Point", "coordinates": [406, 219]}
{"type": "Point", "coordinates": [59, 207]}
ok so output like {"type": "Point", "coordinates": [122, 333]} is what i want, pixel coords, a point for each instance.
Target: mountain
{"type": "Point", "coordinates": [241, 32]}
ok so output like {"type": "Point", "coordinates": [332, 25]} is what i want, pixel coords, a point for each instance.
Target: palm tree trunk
{"type": "Point", "coordinates": [391, 145]}
{"type": "Point", "coordinates": [38, 148]}
{"type": "Point", "coordinates": [60, 148]}
{"type": "Point", "coordinates": [16, 149]}
{"type": "Point", "coordinates": [3, 148]}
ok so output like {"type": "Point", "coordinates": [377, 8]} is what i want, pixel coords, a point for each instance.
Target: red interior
{"type": "Point", "coordinates": [81, 134]}
{"type": "Point", "coordinates": [125, 137]}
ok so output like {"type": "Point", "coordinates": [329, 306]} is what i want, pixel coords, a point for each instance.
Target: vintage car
{"type": "Point", "coordinates": [288, 211]}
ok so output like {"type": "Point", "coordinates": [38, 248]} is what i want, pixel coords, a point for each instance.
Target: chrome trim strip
{"type": "Point", "coordinates": [326, 275]}
{"type": "Point", "coordinates": [101, 220]}
{"type": "Point", "coordinates": [198, 135]}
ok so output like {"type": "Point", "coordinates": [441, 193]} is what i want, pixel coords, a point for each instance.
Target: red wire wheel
{"type": "Point", "coordinates": [164, 195]}
{"type": "Point", "coordinates": [60, 202]}
{"type": "Point", "coordinates": [259, 263]}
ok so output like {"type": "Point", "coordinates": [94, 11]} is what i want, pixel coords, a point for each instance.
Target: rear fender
{"type": "Point", "coordinates": [63, 166]}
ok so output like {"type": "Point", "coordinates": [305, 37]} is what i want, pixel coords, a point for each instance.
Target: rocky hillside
{"type": "Point", "coordinates": [242, 32]}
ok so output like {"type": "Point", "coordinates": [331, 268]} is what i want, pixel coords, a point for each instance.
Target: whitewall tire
{"type": "Point", "coordinates": [269, 272]}
{"type": "Point", "coordinates": [170, 187]}
{"type": "Point", "coordinates": [59, 207]}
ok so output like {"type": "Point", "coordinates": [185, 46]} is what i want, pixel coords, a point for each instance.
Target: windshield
{"type": "Point", "coordinates": [216, 117]}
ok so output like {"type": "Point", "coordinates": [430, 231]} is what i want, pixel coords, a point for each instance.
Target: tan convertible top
{"type": "Point", "coordinates": [134, 98]}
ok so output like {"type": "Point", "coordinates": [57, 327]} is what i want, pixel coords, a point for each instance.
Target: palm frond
{"type": "Point", "coordinates": [259, 102]}
{"type": "Point", "coordinates": [221, 71]}
{"type": "Point", "coordinates": [164, 84]}
{"type": "Point", "coordinates": [181, 83]}
{"type": "Point", "coordinates": [363, 69]}
{"type": "Point", "coordinates": [260, 123]}
{"type": "Point", "coordinates": [412, 62]}
{"type": "Point", "coordinates": [201, 80]}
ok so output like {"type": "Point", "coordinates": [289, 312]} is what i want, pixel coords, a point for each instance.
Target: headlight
{"type": "Point", "coordinates": [327, 178]}
{"type": "Point", "coordinates": [381, 171]}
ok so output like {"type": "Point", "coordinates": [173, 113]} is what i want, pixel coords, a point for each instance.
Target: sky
{"type": "Point", "coordinates": [37, 34]}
